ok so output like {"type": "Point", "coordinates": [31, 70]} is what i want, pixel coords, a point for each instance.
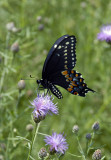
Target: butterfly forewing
{"type": "Point", "coordinates": [61, 56]}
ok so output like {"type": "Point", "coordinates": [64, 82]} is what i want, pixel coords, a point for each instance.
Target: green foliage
{"type": "Point", "coordinates": [74, 17]}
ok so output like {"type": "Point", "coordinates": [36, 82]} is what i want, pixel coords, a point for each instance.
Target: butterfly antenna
{"type": "Point", "coordinates": [28, 78]}
{"type": "Point", "coordinates": [32, 77]}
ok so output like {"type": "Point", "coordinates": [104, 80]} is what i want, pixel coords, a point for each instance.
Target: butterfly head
{"type": "Point", "coordinates": [38, 81]}
{"type": "Point", "coordinates": [42, 82]}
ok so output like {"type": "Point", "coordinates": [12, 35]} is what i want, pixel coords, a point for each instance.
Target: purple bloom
{"type": "Point", "coordinates": [105, 33]}
{"type": "Point", "coordinates": [57, 143]}
{"type": "Point", "coordinates": [43, 105]}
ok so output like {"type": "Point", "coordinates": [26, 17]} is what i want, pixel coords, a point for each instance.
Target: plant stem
{"type": "Point", "coordinates": [18, 101]}
{"type": "Point", "coordinates": [5, 62]}
{"type": "Point", "coordinates": [33, 139]}
{"type": "Point", "coordinates": [81, 150]}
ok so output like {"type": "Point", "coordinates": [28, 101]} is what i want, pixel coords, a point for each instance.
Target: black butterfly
{"type": "Point", "coordinates": [57, 69]}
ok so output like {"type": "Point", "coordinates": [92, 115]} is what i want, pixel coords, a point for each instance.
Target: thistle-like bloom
{"type": "Point", "coordinates": [43, 105]}
{"type": "Point", "coordinates": [57, 143]}
{"type": "Point", "coordinates": [105, 33]}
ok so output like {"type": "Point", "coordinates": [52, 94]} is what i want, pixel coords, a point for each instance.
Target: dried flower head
{"type": "Point", "coordinates": [21, 85]}
{"type": "Point", "coordinates": [88, 136]}
{"type": "Point", "coordinates": [42, 153]}
{"type": "Point", "coordinates": [57, 143]}
{"type": "Point", "coordinates": [95, 126]}
{"type": "Point", "coordinates": [97, 155]}
{"type": "Point", "coordinates": [105, 33]}
{"type": "Point", "coordinates": [29, 127]}
{"type": "Point", "coordinates": [15, 47]}
{"type": "Point", "coordinates": [75, 129]}
{"type": "Point", "coordinates": [43, 105]}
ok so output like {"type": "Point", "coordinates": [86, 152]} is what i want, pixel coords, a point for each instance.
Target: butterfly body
{"type": "Point", "coordinates": [58, 69]}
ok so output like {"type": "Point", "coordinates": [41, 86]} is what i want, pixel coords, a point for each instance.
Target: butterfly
{"type": "Point", "coordinates": [58, 69]}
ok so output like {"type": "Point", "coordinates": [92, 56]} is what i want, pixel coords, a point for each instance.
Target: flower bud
{"type": "Point", "coordinates": [42, 153]}
{"type": "Point", "coordinates": [29, 127]}
{"type": "Point", "coordinates": [9, 26]}
{"type": "Point", "coordinates": [1, 157]}
{"type": "Point", "coordinates": [88, 136]}
{"type": "Point", "coordinates": [21, 85]}
{"type": "Point", "coordinates": [15, 130]}
{"type": "Point", "coordinates": [39, 118]}
{"type": "Point", "coordinates": [97, 155]}
{"type": "Point", "coordinates": [75, 129]}
{"type": "Point", "coordinates": [15, 47]}
{"type": "Point", "coordinates": [41, 27]}
{"type": "Point", "coordinates": [39, 18]}
{"type": "Point", "coordinates": [95, 126]}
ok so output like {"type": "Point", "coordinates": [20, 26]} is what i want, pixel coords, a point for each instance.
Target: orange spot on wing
{"type": "Point", "coordinates": [76, 75]}
{"type": "Point", "coordinates": [80, 80]}
{"type": "Point", "coordinates": [72, 71]}
{"type": "Point", "coordinates": [70, 78]}
{"type": "Point", "coordinates": [75, 93]}
{"type": "Point", "coordinates": [69, 89]}
{"type": "Point", "coordinates": [67, 76]}
{"type": "Point", "coordinates": [70, 86]}
{"type": "Point", "coordinates": [74, 84]}
{"type": "Point", "coordinates": [65, 72]}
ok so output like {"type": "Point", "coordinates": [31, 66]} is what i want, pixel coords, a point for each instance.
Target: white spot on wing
{"type": "Point", "coordinates": [59, 47]}
{"type": "Point", "coordinates": [67, 42]}
{"type": "Point", "coordinates": [65, 50]}
{"type": "Point", "coordinates": [55, 46]}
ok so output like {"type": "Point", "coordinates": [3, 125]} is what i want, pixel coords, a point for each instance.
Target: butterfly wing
{"type": "Point", "coordinates": [57, 69]}
{"type": "Point", "coordinates": [72, 81]}
{"type": "Point", "coordinates": [60, 57]}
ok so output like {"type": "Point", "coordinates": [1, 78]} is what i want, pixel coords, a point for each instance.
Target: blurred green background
{"type": "Point", "coordinates": [39, 24]}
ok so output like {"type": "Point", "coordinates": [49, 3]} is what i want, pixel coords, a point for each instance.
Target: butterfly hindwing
{"type": "Point", "coordinates": [76, 84]}
{"type": "Point", "coordinates": [72, 81]}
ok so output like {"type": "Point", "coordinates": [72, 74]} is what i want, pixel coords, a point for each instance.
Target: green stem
{"type": "Point", "coordinates": [18, 101]}
{"type": "Point", "coordinates": [33, 140]}
{"type": "Point", "coordinates": [81, 150]}
{"type": "Point", "coordinates": [5, 62]}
